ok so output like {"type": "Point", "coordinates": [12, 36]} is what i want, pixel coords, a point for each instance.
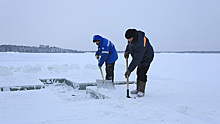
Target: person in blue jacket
{"type": "Point", "coordinates": [108, 53]}
{"type": "Point", "coordinates": [142, 55]}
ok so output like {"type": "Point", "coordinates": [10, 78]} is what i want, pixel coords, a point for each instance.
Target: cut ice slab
{"type": "Point", "coordinates": [108, 84]}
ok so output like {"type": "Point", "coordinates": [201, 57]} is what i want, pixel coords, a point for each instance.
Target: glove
{"type": "Point", "coordinates": [127, 73]}
{"type": "Point", "coordinates": [99, 65]}
{"type": "Point", "coordinates": [126, 54]}
{"type": "Point", "coordinates": [97, 57]}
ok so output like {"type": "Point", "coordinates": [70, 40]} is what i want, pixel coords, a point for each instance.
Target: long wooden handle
{"type": "Point", "coordinates": [127, 76]}
{"type": "Point", "coordinates": [127, 79]}
{"type": "Point", "coordinates": [101, 72]}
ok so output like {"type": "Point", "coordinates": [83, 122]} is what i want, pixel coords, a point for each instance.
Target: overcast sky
{"type": "Point", "coordinates": [169, 24]}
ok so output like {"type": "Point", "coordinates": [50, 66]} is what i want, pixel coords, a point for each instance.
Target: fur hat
{"type": "Point", "coordinates": [130, 33]}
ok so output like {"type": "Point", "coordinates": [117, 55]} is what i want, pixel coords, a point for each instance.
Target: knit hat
{"type": "Point", "coordinates": [130, 33]}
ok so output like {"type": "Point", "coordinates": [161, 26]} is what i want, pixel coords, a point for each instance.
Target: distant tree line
{"type": "Point", "coordinates": [34, 49]}
{"type": "Point", "coordinates": [48, 49]}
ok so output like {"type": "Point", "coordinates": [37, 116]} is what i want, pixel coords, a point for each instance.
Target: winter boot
{"type": "Point", "coordinates": [138, 87]}
{"type": "Point", "coordinates": [134, 91]}
{"type": "Point", "coordinates": [141, 92]}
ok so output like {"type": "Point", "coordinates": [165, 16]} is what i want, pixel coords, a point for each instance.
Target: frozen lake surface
{"type": "Point", "coordinates": [181, 88]}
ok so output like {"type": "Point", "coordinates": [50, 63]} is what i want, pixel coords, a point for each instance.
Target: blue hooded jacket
{"type": "Point", "coordinates": [106, 49]}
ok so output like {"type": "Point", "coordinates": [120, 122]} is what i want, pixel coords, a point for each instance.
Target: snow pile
{"type": "Point", "coordinates": [26, 68]}
{"type": "Point", "coordinates": [4, 71]}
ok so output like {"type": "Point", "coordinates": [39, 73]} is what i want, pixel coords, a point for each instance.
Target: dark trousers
{"type": "Point", "coordinates": [110, 71]}
{"type": "Point", "coordinates": [142, 73]}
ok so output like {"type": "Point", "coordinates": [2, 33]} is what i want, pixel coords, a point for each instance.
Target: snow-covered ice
{"type": "Point", "coordinates": [181, 89]}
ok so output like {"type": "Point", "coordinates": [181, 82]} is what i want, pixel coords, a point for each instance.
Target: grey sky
{"type": "Point", "coordinates": [169, 24]}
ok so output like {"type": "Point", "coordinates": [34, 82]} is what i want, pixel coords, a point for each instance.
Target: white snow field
{"type": "Point", "coordinates": [181, 89]}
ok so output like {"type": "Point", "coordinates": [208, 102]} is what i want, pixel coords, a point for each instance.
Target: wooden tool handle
{"type": "Point", "coordinates": [127, 76]}
{"type": "Point", "coordinates": [127, 79]}
{"type": "Point", "coordinates": [101, 72]}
